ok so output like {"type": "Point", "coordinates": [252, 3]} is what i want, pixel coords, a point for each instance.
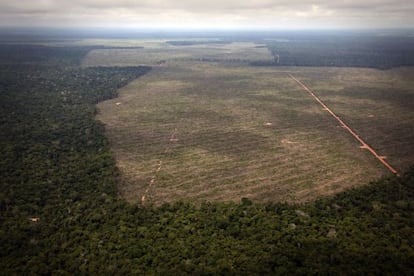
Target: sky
{"type": "Point", "coordinates": [209, 14]}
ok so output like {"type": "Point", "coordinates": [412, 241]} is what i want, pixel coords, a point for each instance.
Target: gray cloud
{"type": "Point", "coordinates": [211, 13]}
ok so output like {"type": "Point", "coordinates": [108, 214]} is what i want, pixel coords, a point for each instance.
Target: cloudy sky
{"type": "Point", "coordinates": [279, 14]}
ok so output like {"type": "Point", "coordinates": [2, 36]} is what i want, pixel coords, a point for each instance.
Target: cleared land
{"type": "Point", "coordinates": [155, 52]}
{"type": "Point", "coordinates": [363, 144]}
{"type": "Point", "coordinates": [379, 105]}
{"type": "Point", "coordinates": [197, 130]}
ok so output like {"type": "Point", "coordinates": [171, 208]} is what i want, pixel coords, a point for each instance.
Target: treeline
{"type": "Point", "coordinates": [60, 213]}
{"type": "Point", "coordinates": [347, 51]}
{"type": "Point", "coordinates": [48, 132]}
{"type": "Point", "coordinates": [196, 42]}
{"type": "Point", "coordinates": [54, 155]}
{"type": "Point", "coordinates": [12, 54]}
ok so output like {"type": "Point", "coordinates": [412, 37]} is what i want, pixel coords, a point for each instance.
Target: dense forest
{"type": "Point", "coordinates": [382, 52]}
{"type": "Point", "coordinates": [60, 213]}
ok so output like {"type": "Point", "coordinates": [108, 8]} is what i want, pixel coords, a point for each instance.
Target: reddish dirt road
{"type": "Point", "coordinates": [364, 145]}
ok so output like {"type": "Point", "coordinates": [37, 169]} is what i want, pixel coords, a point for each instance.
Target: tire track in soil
{"type": "Point", "coordinates": [363, 145]}
{"type": "Point", "coordinates": [171, 140]}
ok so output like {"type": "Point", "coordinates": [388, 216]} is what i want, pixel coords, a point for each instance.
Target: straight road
{"type": "Point", "coordinates": [364, 145]}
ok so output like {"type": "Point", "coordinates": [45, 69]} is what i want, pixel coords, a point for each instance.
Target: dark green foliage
{"type": "Point", "coordinates": [381, 52]}
{"type": "Point", "coordinates": [38, 54]}
{"type": "Point", "coordinates": [55, 165]}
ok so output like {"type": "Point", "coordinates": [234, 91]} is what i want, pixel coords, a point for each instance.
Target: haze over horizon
{"type": "Point", "coordinates": [213, 14]}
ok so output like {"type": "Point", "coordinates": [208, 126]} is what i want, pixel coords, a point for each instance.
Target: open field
{"type": "Point", "coordinates": [200, 130]}
{"type": "Point", "coordinates": [379, 105]}
{"type": "Point", "coordinates": [156, 52]}
{"type": "Point", "coordinates": [207, 131]}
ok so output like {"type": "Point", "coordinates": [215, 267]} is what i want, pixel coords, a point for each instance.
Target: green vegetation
{"type": "Point", "coordinates": [341, 50]}
{"type": "Point", "coordinates": [12, 54]}
{"type": "Point", "coordinates": [60, 212]}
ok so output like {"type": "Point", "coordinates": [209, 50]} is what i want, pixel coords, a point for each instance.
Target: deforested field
{"type": "Point", "coordinates": [207, 131]}
{"type": "Point", "coordinates": [158, 51]}
{"type": "Point", "coordinates": [378, 104]}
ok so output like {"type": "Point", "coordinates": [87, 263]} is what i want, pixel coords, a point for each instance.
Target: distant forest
{"type": "Point", "coordinates": [60, 212]}
{"type": "Point", "coordinates": [382, 52]}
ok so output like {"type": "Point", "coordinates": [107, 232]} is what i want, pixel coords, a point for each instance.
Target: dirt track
{"type": "Point", "coordinates": [364, 145]}
{"type": "Point", "coordinates": [171, 140]}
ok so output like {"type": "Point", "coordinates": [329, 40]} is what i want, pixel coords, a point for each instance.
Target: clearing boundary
{"type": "Point", "coordinates": [364, 145]}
